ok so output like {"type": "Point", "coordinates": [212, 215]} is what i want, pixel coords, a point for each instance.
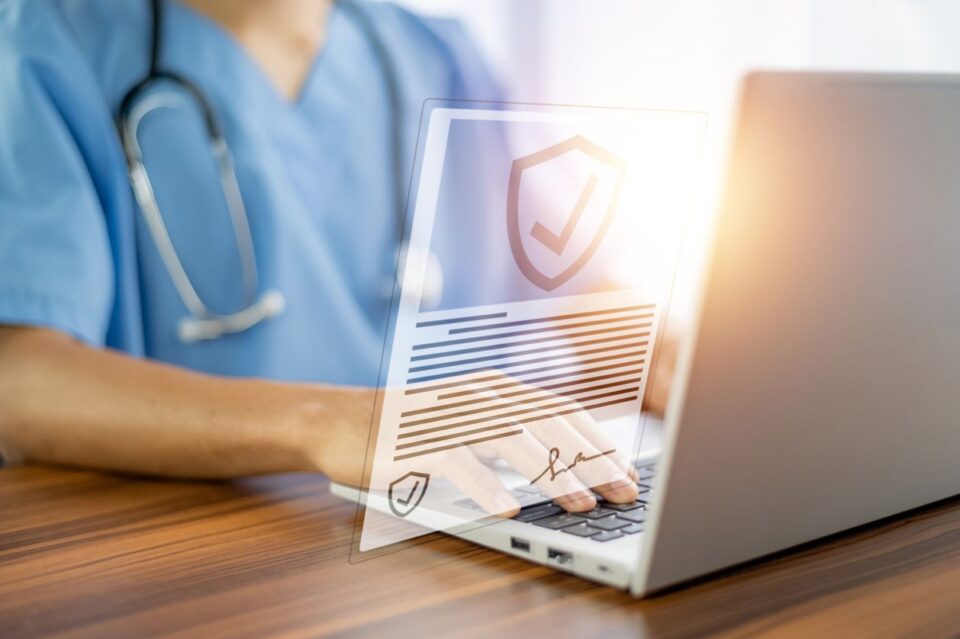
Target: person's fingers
{"type": "Point", "coordinates": [587, 426]}
{"type": "Point", "coordinates": [477, 481]}
{"type": "Point", "coordinates": [512, 391]}
{"type": "Point", "coordinates": [544, 470]}
{"type": "Point", "coordinates": [583, 454]}
{"type": "Point", "coordinates": [591, 465]}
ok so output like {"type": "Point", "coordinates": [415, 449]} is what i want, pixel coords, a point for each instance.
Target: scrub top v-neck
{"type": "Point", "coordinates": [315, 172]}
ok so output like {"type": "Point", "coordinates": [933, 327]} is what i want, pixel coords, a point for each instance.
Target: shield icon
{"type": "Point", "coordinates": [549, 255]}
{"type": "Point", "coordinates": [405, 493]}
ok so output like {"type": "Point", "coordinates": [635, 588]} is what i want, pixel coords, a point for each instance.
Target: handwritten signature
{"type": "Point", "coordinates": [554, 457]}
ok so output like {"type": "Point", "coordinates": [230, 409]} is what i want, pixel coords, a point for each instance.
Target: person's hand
{"type": "Point", "coordinates": [564, 457]}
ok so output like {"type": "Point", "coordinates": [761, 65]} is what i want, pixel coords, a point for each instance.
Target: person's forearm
{"type": "Point", "coordinates": [65, 403]}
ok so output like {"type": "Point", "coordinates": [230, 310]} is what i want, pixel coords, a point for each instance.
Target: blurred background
{"type": "Point", "coordinates": [689, 54]}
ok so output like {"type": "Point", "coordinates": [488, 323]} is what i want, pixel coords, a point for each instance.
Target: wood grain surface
{"type": "Point", "coordinates": [90, 555]}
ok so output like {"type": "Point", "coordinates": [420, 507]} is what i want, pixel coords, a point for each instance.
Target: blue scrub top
{"type": "Point", "coordinates": [315, 174]}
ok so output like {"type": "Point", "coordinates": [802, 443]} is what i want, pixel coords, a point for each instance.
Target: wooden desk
{"type": "Point", "coordinates": [83, 554]}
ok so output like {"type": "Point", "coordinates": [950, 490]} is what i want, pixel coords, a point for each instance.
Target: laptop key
{"type": "Point", "coordinates": [582, 529]}
{"type": "Point", "coordinates": [559, 521]}
{"type": "Point", "coordinates": [623, 507]}
{"type": "Point", "coordinates": [632, 529]}
{"type": "Point", "coordinates": [607, 535]}
{"type": "Point", "coordinates": [597, 513]}
{"type": "Point", "coordinates": [609, 523]}
{"type": "Point", "coordinates": [645, 496]}
{"type": "Point", "coordinates": [533, 513]}
{"type": "Point", "coordinates": [635, 516]}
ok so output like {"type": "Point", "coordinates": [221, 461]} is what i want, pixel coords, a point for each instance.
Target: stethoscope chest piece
{"type": "Point", "coordinates": [194, 329]}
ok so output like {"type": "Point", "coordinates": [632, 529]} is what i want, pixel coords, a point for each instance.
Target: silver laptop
{"type": "Point", "coordinates": [819, 388]}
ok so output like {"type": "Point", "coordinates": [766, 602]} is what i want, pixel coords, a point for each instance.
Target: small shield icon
{"type": "Point", "coordinates": [405, 493]}
{"type": "Point", "coordinates": [549, 254]}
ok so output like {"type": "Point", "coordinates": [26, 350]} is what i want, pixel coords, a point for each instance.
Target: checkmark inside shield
{"type": "Point", "coordinates": [413, 491]}
{"type": "Point", "coordinates": [583, 230]}
{"type": "Point", "coordinates": [557, 243]}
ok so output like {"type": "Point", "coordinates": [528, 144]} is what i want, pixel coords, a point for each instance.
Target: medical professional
{"type": "Point", "coordinates": [225, 316]}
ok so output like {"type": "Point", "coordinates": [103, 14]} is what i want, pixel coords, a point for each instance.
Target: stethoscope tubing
{"type": "Point", "coordinates": [139, 102]}
{"type": "Point", "coordinates": [150, 209]}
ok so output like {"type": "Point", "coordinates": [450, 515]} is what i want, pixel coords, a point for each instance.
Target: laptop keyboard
{"type": "Point", "coordinates": [606, 522]}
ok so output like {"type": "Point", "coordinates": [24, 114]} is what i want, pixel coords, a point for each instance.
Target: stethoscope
{"type": "Point", "coordinates": [139, 102]}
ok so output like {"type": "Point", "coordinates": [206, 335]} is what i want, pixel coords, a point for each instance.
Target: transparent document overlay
{"type": "Point", "coordinates": [540, 262]}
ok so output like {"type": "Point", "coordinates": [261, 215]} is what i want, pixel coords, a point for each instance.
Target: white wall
{"type": "Point", "coordinates": [903, 35]}
{"type": "Point", "coordinates": [678, 50]}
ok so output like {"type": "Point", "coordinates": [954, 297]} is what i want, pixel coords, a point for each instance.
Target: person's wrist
{"type": "Point", "coordinates": [304, 413]}
{"type": "Point", "coordinates": [330, 425]}
{"type": "Point", "coordinates": [274, 415]}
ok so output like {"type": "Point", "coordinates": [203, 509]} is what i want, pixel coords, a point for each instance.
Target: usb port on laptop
{"type": "Point", "coordinates": [520, 544]}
